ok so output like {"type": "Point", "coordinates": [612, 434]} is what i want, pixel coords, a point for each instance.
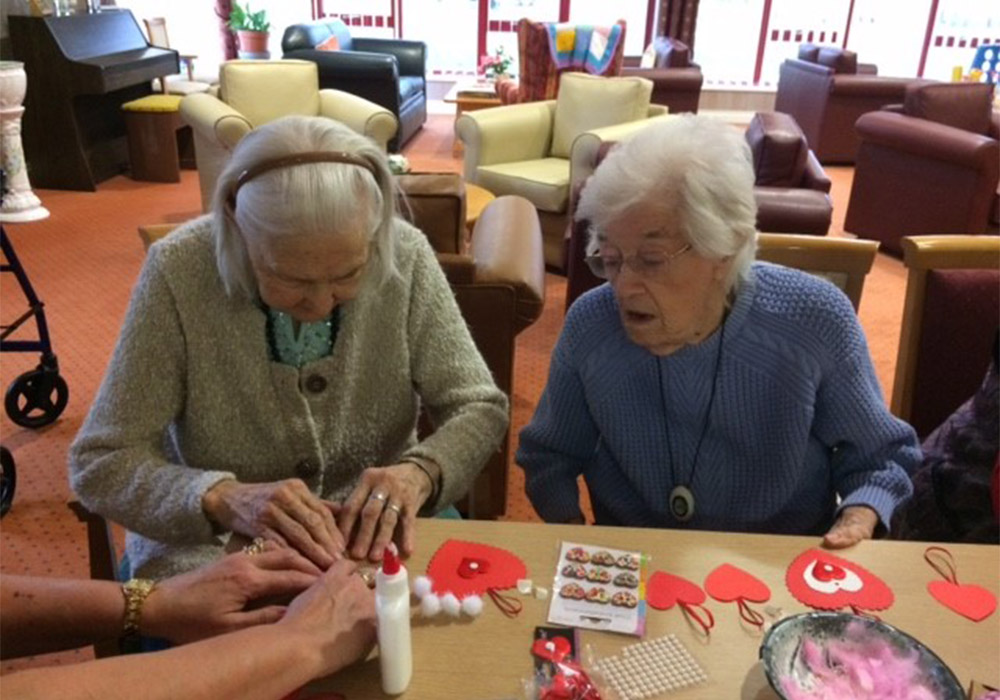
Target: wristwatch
{"type": "Point", "coordinates": [135, 592]}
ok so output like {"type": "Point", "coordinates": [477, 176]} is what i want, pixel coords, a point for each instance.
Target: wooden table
{"type": "Point", "coordinates": [486, 658]}
{"type": "Point", "coordinates": [468, 102]}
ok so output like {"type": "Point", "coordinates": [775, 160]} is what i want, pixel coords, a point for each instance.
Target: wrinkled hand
{"type": "Point", "coordinates": [855, 523]}
{"type": "Point", "coordinates": [338, 614]}
{"type": "Point", "coordinates": [212, 600]}
{"type": "Point", "coordinates": [366, 519]}
{"type": "Point", "coordinates": [285, 512]}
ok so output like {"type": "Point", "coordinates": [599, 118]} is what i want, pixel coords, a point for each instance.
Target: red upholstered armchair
{"type": "Point", "coordinates": [928, 167]}
{"type": "Point", "coordinates": [950, 321]}
{"type": "Point", "coordinates": [826, 90]}
{"type": "Point", "coordinates": [676, 78]}
{"type": "Point", "coordinates": [539, 75]}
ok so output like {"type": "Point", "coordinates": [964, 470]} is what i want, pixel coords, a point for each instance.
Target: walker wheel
{"type": "Point", "coordinates": [8, 480]}
{"type": "Point", "coordinates": [36, 398]}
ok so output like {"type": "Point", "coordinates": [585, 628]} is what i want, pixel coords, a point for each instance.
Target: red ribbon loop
{"type": "Point", "coordinates": [508, 605]}
{"type": "Point", "coordinates": [948, 562]}
{"type": "Point", "coordinates": [692, 614]}
{"type": "Point", "coordinates": [750, 615]}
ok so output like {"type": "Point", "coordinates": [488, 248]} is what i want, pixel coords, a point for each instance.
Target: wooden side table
{"type": "Point", "coordinates": [467, 99]}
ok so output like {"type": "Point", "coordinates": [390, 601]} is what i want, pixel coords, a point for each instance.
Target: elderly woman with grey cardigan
{"type": "Point", "coordinates": [272, 364]}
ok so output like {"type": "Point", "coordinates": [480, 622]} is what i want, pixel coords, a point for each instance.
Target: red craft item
{"type": "Point", "coordinates": [728, 583]}
{"type": "Point", "coordinates": [664, 591]}
{"type": "Point", "coordinates": [471, 568]}
{"type": "Point", "coordinates": [968, 600]}
{"type": "Point", "coordinates": [827, 582]}
{"type": "Point", "coordinates": [554, 649]}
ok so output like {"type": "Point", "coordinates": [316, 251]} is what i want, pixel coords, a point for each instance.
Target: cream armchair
{"type": "Point", "coordinates": [541, 150]}
{"type": "Point", "coordinates": [252, 93]}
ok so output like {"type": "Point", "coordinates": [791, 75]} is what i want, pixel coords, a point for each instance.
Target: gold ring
{"type": "Point", "coordinates": [375, 495]}
{"type": "Point", "coordinates": [255, 547]}
{"type": "Point", "coordinates": [368, 576]}
{"type": "Point", "coordinates": [398, 510]}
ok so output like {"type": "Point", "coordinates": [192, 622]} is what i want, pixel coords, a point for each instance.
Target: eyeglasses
{"type": "Point", "coordinates": [608, 266]}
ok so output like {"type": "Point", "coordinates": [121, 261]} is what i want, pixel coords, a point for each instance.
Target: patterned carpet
{"type": "Point", "coordinates": [83, 261]}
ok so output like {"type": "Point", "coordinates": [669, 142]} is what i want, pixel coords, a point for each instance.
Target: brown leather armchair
{"type": "Point", "coordinates": [676, 79]}
{"type": "Point", "coordinates": [791, 190]}
{"type": "Point", "coordinates": [826, 90]}
{"type": "Point", "coordinates": [931, 169]}
{"type": "Point", "coordinates": [498, 277]}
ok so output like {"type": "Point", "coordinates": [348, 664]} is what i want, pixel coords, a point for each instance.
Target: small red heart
{"type": "Point", "coordinates": [664, 590]}
{"type": "Point", "coordinates": [554, 649]}
{"type": "Point", "coordinates": [503, 568]}
{"type": "Point", "coordinates": [854, 587]}
{"type": "Point", "coordinates": [969, 600]}
{"type": "Point", "coordinates": [472, 567]}
{"type": "Point", "coordinates": [728, 583]}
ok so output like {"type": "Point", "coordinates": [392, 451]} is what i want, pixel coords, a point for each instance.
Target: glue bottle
{"type": "Point", "coordinates": [392, 610]}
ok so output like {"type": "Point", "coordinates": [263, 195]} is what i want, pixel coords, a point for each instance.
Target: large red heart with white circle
{"type": "Point", "coordinates": [969, 600]}
{"type": "Point", "coordinates": [827, 582]}
{"type": "Point", "coordinates": [470, 568]}
{"type": "Point", "coordinates": [664, 591]}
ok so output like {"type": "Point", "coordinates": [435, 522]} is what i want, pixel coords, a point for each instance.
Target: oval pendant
{"type": "Point", "coordinates": [682, 503]}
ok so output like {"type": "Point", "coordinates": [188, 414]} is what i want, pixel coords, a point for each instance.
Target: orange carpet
{"type": "Point", "coordinates": [83, 261]}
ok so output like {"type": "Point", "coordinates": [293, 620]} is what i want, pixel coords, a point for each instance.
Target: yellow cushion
{"type": "Point", "coordinates": [544, 182]}
{"type": "Point", "coordinates": [588, 102]}
{"type": "Point", "coordinates": [154, 103]}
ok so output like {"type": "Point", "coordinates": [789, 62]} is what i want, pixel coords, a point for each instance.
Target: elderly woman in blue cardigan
{"type": "Point", "coordinates": [698, 388]}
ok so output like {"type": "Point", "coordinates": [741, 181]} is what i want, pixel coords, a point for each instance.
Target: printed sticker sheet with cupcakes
{"type": "Point", "coordinates": [600, 588]}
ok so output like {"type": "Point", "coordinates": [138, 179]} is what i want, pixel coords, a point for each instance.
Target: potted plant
{"type": "Point", "coordinates": [252, 30]}
{"type": "Point", "coordinates": [495, 66]}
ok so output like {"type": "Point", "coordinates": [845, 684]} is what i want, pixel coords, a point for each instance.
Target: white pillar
{"type": "Point", "coordinates": [20, 203]}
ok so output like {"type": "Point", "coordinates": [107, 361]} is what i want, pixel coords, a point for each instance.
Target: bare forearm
{"type": "Point", "coordinates": [265, 663]}
{"type": "Point", "coordinates": [43, 615]}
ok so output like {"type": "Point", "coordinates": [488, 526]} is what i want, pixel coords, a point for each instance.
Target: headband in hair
{"type": "Point", "coordinates": [297, 159]}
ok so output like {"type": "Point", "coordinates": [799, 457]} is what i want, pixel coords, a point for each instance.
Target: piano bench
{"type": "Point", "coordinates": [159, 143]}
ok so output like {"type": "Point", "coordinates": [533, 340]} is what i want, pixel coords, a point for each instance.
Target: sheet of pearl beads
{"type": "Point", "coordinates": [651, 668]}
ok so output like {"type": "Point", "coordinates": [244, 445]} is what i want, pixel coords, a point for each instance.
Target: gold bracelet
{"type": "Point", "coordinates": [135, 591]}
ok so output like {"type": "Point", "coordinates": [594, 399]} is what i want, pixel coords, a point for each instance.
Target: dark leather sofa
{"type": "Point", "coordinates": [676, 79]}
{"type": "Point", "coordinates": [790, 188]}
{"type": "Point", "coordinates": [928, 166]}
{"type": "Point", "coordinates": [388, 72]}
{"type": "Point", "coordinates": [826, 90]}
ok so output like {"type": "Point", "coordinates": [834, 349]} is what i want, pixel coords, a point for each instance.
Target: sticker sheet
{"type": "Point", "coordinates": [600, 588]}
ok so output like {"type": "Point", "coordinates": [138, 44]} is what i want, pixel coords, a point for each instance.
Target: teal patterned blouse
{"type": "Point", "coordinates": [313, 342]}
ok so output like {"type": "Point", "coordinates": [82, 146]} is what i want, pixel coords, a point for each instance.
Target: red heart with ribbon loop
{"type": "Point", "coordinates": [496, 569]}
{"type": "Point", "coordinates": [728, 583]}
{"type": "Point", "coordinates": [827, 582]}
{"type": "Point", "coordinates": [968, 600]}
{"type": "Point", "coordinates": [664, 590]}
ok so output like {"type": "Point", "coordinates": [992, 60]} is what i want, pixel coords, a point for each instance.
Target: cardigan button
{"type": "Point", "coordinates": [316, 384]}
{"type": "Point", "coordinates": [307, 468]}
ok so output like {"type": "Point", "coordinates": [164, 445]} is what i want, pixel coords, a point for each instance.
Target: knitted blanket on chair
{"type": "Point", "coordinates": [583, 47]}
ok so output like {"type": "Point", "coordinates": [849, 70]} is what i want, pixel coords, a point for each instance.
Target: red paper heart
{"type": "Point", "coordinates": [554, 649]}
{"type": "Point", "coordinates": [471, 567]}
{"type": "Point", "coordinates": [728, 583]}
{"type": "Point", "coordinates": [664, 590]}
{"type": "Point", "coordinates": [502, 571]}
{"type": "Point", "coordinates": [824, 581]}
{"type": "Point", "coordinates": [969, 600]}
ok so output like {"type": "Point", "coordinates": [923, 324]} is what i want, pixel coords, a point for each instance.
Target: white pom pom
{"type": "Point", "coordinates": [430, 605]}
{"type": "Point", "coordinates": [472, 606]}
{"type": "Point", "coordinates": [450, 604]}
{"type": "Point", "coordinates": [421, 586]}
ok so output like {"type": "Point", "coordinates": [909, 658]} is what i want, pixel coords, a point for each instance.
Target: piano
{"type": "Point", "coordinates": [81, 69]}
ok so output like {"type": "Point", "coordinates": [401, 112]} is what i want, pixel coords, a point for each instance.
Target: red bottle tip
{"type": "Point", "coordinates": [390, 562]}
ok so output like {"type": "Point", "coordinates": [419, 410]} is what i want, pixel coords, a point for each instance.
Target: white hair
{"type": "Point", "coordinates": [325, 198]}
{"type": "Point", "coordinates": [698, 171]}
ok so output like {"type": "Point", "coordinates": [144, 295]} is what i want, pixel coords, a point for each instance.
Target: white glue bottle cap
{"type": "Point", "coordinates": [392, 611]}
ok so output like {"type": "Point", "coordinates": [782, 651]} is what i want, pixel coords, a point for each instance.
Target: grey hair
{"type": "Point", "coordinates": [699, 172]}
{"type": "Point", "coordinates": [315, 198]}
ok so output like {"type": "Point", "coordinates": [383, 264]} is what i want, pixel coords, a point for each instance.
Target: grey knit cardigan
{"type": "Point", "coordinates": [191, 397]}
